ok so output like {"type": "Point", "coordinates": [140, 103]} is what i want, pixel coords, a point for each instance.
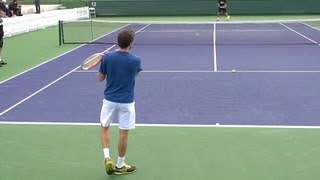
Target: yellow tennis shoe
{"type": "Point", "coordinates": [125, 169]}
{"type": "Point", "coordinates": [108, 164]}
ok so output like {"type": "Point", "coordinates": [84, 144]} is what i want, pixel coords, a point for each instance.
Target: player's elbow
{"type": "Point", "coordinates": [101, 77]}
{"type": "Point", "coordinates": [100, 80]}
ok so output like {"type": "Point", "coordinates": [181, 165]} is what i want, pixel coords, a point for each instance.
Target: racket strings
{"type": "Point", "coordinates": [92, 61]}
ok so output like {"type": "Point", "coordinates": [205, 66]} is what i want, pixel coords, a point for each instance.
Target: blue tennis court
{"type": "Point", "coordinates": [187, 78]}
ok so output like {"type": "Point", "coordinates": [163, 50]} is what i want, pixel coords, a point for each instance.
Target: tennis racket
{"type": "Point", "coordinates": [93, 60]}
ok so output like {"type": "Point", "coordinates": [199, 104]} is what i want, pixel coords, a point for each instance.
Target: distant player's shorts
{"type": "Point", "coordinates": [1, 42]}
{"type": "Point", "coordinates": [124, 112]}
{"type": "Point", "coordinates": [222, 10]}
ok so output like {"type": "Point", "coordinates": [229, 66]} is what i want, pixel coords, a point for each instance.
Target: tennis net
{"type": "Point", "coordinates": [286, 32]}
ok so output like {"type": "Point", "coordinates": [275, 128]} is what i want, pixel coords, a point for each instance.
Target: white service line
{"type": "Point", "coordinates": [167, 125]}
{"type": "Point", "coordinates": [203, 71]}
{"type": "Point", "coordinates": [262, 71]}
{"type": "Point", "coordinates": [309, 39]}
{"type": "Point", "coordinates": [215, 66]}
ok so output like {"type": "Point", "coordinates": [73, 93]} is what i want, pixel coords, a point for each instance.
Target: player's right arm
{"type": "Point", "coordinates": [139, 68]}
{"type": "Point", "coordinates": [102, 71]}
{"type": "Point", "coordinates": [101, 77]}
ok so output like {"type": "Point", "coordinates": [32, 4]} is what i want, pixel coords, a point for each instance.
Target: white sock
{"type": "Point", "coordinates": [106, 153]}
{"type": "Point", "coordinates": [120, 162]}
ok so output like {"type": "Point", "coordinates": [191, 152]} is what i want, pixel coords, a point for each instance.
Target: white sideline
{"type": "Point", "coordinates": [309, 39]}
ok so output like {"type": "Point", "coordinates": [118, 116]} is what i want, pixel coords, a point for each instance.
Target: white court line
{"type": "Point", "coordinates": [204, 22]}
{"type": "Point", "coordinates": [142, 28]}
{"type": "Point", "coordinates": [215, 66]}
{"type": "Point", "coordinates": [166, 125]}
{"type": "Point", "coordinates": [45, 87]}
{"type": "Point", "coordinates": [221, 30]}
{"type": "Point", "coordinates": [270, 71]}
{"type": "Point", "coordinates": [309, 39]}
{"type": "Point", "coordinates": [310, 26]}
{"type": "Point", "coordinates": [41, 64]}
{"type": "Point", "coordinates": [200, 71]}
{"type": "Point", "coordinates": [108, 49]}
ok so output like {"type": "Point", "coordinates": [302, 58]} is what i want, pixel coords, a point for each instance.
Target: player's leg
{"type": "Point", "coordinates": [109, 111]}
{"type": "Point", "coordinates": [1, 45]}
{"type": "Point", "coordinates": [122, 147]}
{"type": "Point", "coordinates": [126, 122]}
{"type": "Point", "coordinates": [218, 14]}
{"type": "Point", "coordinates": [19, 11]}
{"type": "Point", "coordinates": [37, 4]}
{"type": "Point", "coordinates": [226, 14]}
{"type": "Point", "coordinates": [105, 141]}
{"type": "Point", "coordinates": [0, 57]}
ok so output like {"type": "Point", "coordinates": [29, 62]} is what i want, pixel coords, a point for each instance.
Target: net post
{"type": "Point", "coordinates": [59, 29]}
{"type": "Point", "coordinates": [91, 30]}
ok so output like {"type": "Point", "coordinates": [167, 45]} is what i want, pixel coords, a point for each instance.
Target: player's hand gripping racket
{"type": "Point", "coordinates": [93, 60]}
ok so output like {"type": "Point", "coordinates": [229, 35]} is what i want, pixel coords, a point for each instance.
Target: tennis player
{"type": "Point", "coordinates": [119, 68]}
{"type": "Point", "coordinates": [1, 38]}
{"type": "Point", "coordinates": [222, 7]}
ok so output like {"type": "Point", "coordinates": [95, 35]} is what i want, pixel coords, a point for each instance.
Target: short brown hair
{"type": "Point", "coordinates": [125, 38]}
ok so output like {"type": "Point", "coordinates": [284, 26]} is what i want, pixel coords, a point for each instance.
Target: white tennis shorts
{"type": "Point", "coordinates": [125, 112]}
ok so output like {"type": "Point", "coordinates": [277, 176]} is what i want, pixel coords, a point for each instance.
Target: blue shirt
{"type": "Point", "coordinates": [120, 69]}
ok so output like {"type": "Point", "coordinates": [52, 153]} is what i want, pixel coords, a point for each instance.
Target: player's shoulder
{"type": "Point", "coordinates": [111, 55]}
{"type": "Point", "coordinates": [135, 57]}
{"type": "Point", "coordinates": [119, 53]}
{"type": "Point", "coordinates": [107, 56]}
